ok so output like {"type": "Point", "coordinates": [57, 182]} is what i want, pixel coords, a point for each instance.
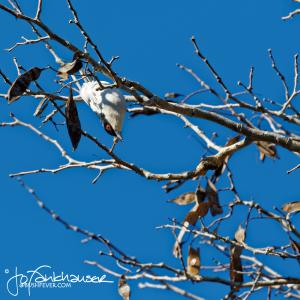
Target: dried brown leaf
{"type": "Point", "coordinates": [192, 217]}
{"type": "Point", "coordinates": [202, 209]}
{"type": "Point", "coordinates": [20, 85]}
{"type": "Point", "coordinates": [193, 261]}
{"type": "Point", "coordinates": [240, 234]}
{"type": "Point", "coordinates": [220, 170]}
{"type": "Point", "coordinates": [73, 122]}
{"type": "Point", "coordinates": [213, 199]}
{"type": "Point", "coordinates": [184, 199]}
{"type": "Point", "coordinates": [200, 194]}
{"type": "Point", "coordinates": [198, 211]}
{"type": "Point", "coordinates": [266, 149]}
{"type": "Point", "coordinates": [70, 68]}
{"type": "Point", "coordinates": [291, 207]}
{"type": "Point", "coordinates": [124, 288]}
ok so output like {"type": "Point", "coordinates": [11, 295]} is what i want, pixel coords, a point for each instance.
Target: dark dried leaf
{"type": "Point", "coordinates": [200, 194]}
{"type": "Point", "coordinates": [236, 265]}
{"type": "Point", "coordinates": [193, 261]}
{"type": "Point", "coordinates": [291, 207]}
{"type": "Point", "coordinates": [184, 199]}
{"type": "Point", "coordinates": [73, 122]}
{"type": "Point", "coordinates": [213, 199]}
{"type": "Point", "coordinates": [20, 85]}
{"type": "Point", "coordinates": [124, 288]}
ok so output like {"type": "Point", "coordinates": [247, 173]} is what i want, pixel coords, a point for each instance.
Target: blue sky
{"type": "Point", "coordinates": [150, 38]}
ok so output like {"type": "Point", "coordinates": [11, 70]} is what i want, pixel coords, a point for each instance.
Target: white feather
{"type": "Point", "coordinates": [109, 103]}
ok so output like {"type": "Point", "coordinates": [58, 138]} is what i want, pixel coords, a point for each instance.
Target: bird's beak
{"type": "Point", "coordinates": [119, 137]}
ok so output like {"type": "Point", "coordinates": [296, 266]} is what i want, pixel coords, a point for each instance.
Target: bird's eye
{"type": "Point", "coordinates": [108, 127]}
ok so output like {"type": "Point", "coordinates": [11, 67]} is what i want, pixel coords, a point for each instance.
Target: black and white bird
{"type": "Point", "coordinates": [108, 103]}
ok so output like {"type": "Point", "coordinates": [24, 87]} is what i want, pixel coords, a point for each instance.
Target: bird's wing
{"type": "Point", "coordinates": [91, 97]}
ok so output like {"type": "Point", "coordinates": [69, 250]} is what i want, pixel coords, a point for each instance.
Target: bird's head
{"type": "Point", "coordinates": [109, 129]}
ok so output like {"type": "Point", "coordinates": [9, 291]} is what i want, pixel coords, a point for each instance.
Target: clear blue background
{"type": "Point", "coordinates": [150, 37]}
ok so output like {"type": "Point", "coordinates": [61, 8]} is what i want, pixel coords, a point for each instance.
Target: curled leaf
{"type": "Point", "coordinates": [73, 122]}
{"type": "Point", "coordinates": [193, 261]}
{"type": "Point", "coordinates": [266, 149]}
{"type": "Point", "coordinates": [184, 199]}
{"type": "Point", "coordinates": [213, 199]}
{"type": "Point", "coordinates": [240, 234]}
{"type": "Point", "coordinates": [124, 288]}
{"type": "Point", "coordinates": [20, 85]}
{"type": "Point", "coordinates": [236, 266]}
{"type": "Point", "coordinates": [70, 68]}
{"type": "Point", "coordinates": [291, 207]}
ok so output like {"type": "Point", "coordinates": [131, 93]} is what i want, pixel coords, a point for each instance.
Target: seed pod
{"type": "Point", "coordinates": [20, 85]}
{"type": "Point", "coordinates": [236, 266]}
{"type": "Point", "coordinates": [193, 261]}
{"type": "Point", "coordinates": [73, 122]}
{"type": "Point", "coordinates": [124, 288]}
